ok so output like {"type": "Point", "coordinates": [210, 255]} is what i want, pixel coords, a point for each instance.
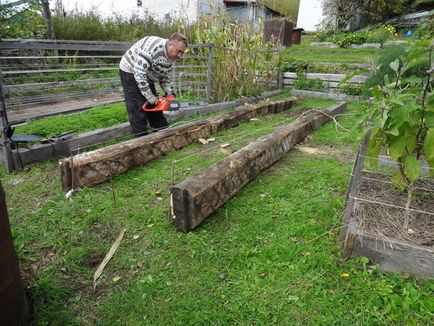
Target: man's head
{"type": "Point", "coordinates": [176, 46]}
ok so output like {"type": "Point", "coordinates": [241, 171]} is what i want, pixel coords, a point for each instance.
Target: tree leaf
{"type": "Point", "coordinates": [352, 74]}
{"type": "Point", "coordinates": [411, 168]}
{"type": "Point", "coordinates": [410, 141]}
{"type": "Point", "coordinates": [429, 149]}
{"type": "Point", "coordinates": [397, 148]}
{"type": "Point", "coordinates": [429, 119]}
{"type": "Point", "coordinates": [394, 65]}
{"type": "Point", "coordinates": [399, 181]}
{"type": "Point", "coordinates": [374, 147]}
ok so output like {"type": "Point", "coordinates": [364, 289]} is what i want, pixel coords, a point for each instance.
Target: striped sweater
{"type": "Point", "coordinates": [147, 60]}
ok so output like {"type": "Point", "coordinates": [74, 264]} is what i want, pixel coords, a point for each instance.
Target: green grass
{"type": "Point", "coordinates": [267, 257]}
{"type": "Point", "coordinates": [306, 53]}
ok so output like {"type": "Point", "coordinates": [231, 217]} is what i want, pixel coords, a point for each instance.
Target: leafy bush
{"type": "Point", "coordinates": [302, 82]}
{"type": "Point", "coordinates": [352, 89]}
{"type": "Point", "coordinates": [425, 30]}
{"type": "Point", "coordinates": [401, 117]}
{"type": "Point", "coordinates": [27, 23]}
{"type": "Point", "coordinates": [117, 28]}
{"type": "Point", "coordinates": [384, 72]}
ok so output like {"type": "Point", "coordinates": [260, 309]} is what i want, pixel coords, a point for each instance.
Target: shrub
{"type": "Point", "coordinates": [384, 72]}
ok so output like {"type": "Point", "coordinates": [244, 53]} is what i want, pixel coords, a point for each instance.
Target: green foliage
{"type": "Point", "coordinates": [347, 13]}
{"type": "Point", "coordinates": [401, 112]}
{"type": "Point", "coordinates": [24, 23]}
{"type": "Point", "coordinates": [383, 71]}
{"type": "Point", "coordinates": [302, 82]}
{"type": "Point", "coordinates": [379, 34]}
{"type": "Point", "coordinates": [117, 28]}
{"type": "Point", "coordinates": [352, 89]}
{"type": "Point", "coordinates": [241, 67]}
{"type": "Point", "coordinates": [425, 28]}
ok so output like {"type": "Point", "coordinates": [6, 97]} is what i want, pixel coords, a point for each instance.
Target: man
{"type": "Point", "coordinates": [149, 61]}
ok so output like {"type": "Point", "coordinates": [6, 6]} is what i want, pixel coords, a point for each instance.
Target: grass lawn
{"type": "Point", "coordinates": [267, 257]}
{"type": "Point", "coordinates": [307, 53]}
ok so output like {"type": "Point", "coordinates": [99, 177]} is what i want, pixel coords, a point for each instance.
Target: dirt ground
{"type": "Point", "coordinates": [381, 209]}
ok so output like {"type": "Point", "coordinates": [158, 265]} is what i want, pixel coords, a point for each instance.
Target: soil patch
{"type": "Point", "coordinates": [381, 207]}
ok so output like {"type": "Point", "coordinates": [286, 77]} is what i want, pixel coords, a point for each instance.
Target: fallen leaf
{"type": "Point", "coordinates": [116, 279]}
{"type": "Point", "coordinates": [211, 140]}
{"type": "Point", "coordinates": [139, 264]}
{"type": "Point", "coordinates": [345, 275]}
{"type": "Point", "coordinates": [136, 236]}
{"type": "Point", "coordinates": [411, 231]}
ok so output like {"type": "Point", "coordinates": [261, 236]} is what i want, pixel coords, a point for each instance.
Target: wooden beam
{"type": "Point", "coordinates": [92, 168]}
{"type": "Point", "coordinates": [195, 198]}
{"type": "Point", "coordinates": [23, 157]}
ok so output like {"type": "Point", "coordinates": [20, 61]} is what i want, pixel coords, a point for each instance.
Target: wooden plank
{"type": "Point", "coordinates": [331, 95]}
{"type": "Point", "coordinates": [326, 77]}
{"type": "Point", "coordinates": [195, 198]}
{"type": "Point", "coordinates": [345, 237]}
{"type": "Point", "coordinates": [23, 157]}
{"type": "Point", "coordinates": [395, 256]}
{"type": "Point", "coordinates": [92, 168]}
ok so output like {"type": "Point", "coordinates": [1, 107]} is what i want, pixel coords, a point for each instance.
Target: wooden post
{"type": "Point", "coordinates": [13, 303]}
{"type": "Point", "coordinates": [347, 238]}
{"type": "Point", "coordinates": [5, 142]}
{"type": "Point", "coordinates": [197, 197]}
{"type": "Point", "coordinates": [209, 73]}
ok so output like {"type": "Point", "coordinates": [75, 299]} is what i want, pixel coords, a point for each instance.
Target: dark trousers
{"type": "Point", "coordinates": [134, 101]}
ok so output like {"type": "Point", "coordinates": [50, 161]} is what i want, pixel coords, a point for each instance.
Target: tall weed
{"type": "Point", "coordinates": [241, 67]}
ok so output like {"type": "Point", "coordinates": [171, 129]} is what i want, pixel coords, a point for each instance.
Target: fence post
{"type": "Point", "coordinates": [209, 73]}
{"type": "Point", "coordinates": [5, 142]}
{"type": "Point", "coordinates": [279, 82]}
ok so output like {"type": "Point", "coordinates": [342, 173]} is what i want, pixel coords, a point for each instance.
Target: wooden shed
{"type": "Point", "coordinates": [278, 31]}
{"type": "Point", "coordinates": [296, 35]}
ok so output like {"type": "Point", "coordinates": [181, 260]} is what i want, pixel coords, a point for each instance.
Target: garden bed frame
{"type": "Point", "coordinates": [92, 168]}
{"type": "Point", "coordinates": [197, 197]}
{"type": "Point", "coordinates": [18, 158]}
{"type": "Point", "coordinates": [391, 255]}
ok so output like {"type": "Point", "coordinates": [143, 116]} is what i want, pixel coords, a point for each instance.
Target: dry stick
{"type": "Point", "coordinates": [107, 257]}
{"type": "Point", "coordinates": [112, 184]}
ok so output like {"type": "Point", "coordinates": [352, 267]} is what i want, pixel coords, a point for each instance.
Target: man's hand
{"type": "Point", "coordinates": [153, 100]}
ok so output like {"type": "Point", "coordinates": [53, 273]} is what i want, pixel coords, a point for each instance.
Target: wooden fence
{"type": "Point", "coordinates": [329, 81]}
{"type": "Point", "coordinates": [39, 78]}
{"type": "Point", "coordinates": [37, 75]}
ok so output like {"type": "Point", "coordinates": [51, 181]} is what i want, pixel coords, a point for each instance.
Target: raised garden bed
{"type": "Point", "coordinates": [374, 219]}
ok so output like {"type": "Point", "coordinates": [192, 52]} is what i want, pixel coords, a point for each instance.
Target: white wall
{"type": "Point", "coordinates": [106, 8]}
{"type": "Point", "coordinates": [177, 8]}
{"type": "Point", "coordinates": [309, 14]}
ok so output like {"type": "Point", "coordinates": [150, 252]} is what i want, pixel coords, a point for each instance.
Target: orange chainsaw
{"type": "Point", "coordinates": [165, 103]}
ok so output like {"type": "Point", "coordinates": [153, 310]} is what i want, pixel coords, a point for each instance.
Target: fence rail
{"type": "Point", "coordinates": [39, 78]}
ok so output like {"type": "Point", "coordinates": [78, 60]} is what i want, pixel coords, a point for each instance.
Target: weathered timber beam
{"type": "Point", "coordinates": [195, 198]}
{"type": "Point", "coordinates": [23, 157]}
{"type": "Point", "coordinates": [94, 167]}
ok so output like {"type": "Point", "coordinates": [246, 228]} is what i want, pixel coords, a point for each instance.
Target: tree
{"type": "Point", "coordinates": [353, 14]}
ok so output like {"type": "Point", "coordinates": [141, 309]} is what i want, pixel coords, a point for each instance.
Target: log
{"type": "Point", "coordinates": [197, 197]}
{"type": "Point", "coordinates": [23, 157]}
{"type": "Point", "coordinates": [92, 168]}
